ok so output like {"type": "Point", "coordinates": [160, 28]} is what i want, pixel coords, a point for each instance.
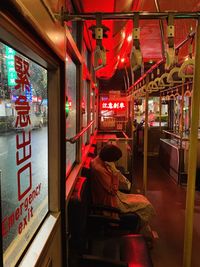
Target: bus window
{"type": "Point", "coordinates": [24, 150]}
{"type": "Point", "coordinates": [71, 118]}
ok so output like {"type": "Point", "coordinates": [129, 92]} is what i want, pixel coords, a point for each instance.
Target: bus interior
{"type": "Point", "coordinates": [75, 76]}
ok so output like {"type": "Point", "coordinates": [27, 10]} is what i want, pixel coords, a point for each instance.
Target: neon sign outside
{"type": "Point", "coordinates": [10, 54]}
{"type": "Point", "coordinates": [113, 105]}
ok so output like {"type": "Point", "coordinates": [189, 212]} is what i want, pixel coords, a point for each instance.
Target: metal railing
{"type": "Point", "coordinates": [127, 15]}
{"type": "Point", "coordinates": [75, 139]}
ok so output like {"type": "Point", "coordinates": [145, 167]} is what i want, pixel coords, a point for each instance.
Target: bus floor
{"type": "Point", "coordinates": [167, 226]}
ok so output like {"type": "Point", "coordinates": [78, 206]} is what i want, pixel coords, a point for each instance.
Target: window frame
{"type": "Point", "coordinates": [32, 47]}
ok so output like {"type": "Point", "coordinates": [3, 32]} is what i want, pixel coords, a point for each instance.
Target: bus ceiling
{"type": "Point", "coordinates": [129, 46]}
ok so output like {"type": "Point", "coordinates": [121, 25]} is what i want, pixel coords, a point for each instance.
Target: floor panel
{"type": "Point", "coordinates": [169, 200]}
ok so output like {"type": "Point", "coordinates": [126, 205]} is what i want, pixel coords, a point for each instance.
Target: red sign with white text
{"type": "Point", "coordinates": [113, 105]}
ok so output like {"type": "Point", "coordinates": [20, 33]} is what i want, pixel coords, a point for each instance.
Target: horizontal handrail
{"type": "Point", "coordinates": [128, 15]}
{"type": "Point", "coordinates": [125, 138]}
{"type": "Point", "coordinates": [176, 135]}
{"type": "Point", "coordinates": [113, 139]}
{"type": "Point", "coordinates": [74, 139]}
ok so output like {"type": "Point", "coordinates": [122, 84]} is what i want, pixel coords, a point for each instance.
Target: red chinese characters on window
{"type": "Point", "coordinates": [23, 140]}
{"type": "Point", "coordinates": [22, 69]}
{"type": "Point", "coordinates": [24, 147]}
{"type": "Point", "coordinates": [25, 168]}
{"type": "Point", "coordinates": [23, 153]}
{"type": "Point", "coordinates": [22, 107]}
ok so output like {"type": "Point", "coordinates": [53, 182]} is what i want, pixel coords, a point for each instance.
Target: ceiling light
{"type": "Point", "coordinates": [129, 38]}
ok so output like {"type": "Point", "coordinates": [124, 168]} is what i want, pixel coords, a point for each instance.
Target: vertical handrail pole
{"type": "Point", "coordinates": [181, 128]}
{"type": "Point", "coordinates": [133, 134]}
{"type": "Point", "coordinates": [160, 112]}
{"type": "Point", "coordinates": [145, 143]}
{"type": "Point", "coordinates": [189, 213]}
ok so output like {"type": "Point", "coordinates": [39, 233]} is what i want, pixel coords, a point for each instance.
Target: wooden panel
{"type": "Point", "coordinates": [43, 20]}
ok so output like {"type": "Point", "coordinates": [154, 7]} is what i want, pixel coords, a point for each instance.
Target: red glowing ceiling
{"type": "Point", "coordinates": [119, 43]}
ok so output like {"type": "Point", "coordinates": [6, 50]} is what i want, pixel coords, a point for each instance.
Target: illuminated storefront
{"type": "Point", "coordinates": [113, 112]}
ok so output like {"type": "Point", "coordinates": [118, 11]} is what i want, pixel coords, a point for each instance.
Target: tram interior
{"type": "Point", "coordinates": [91, 73]}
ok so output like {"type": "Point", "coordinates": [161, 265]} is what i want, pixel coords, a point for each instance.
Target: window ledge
{"type": "Point", "coordinates": [39, 243]}
{"type": "Point", "coordinates": [71, 180]}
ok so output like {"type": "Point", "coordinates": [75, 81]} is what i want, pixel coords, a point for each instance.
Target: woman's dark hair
{"type": "Point", "coordinates": [110, 153]}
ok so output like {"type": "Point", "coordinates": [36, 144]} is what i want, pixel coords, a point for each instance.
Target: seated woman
{"type": "Point", "coordinates": [105, 183]}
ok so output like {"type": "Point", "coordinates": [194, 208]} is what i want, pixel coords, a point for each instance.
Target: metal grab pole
{"type": "Point", "coordinates": [145, 144]}
{"type": "Point", "coordinates": [160, 112]}
{"type": "Point", "coordinates": [189, 213]}
{"type": "Point", "coordinates": [181, 128]}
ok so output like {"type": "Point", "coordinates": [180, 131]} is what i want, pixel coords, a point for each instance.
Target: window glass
{"type": "Point", "coordinates": [187, 113]}
{"type": "Point", "coordinates": [72, 25]}
{"type": "Point", "coordinates": [177, 118]}
{"type": "Point", "coordinates": [23, 150]}
{"type": "Point", "coordinates": [92, 98]}
{"type": "Point", "coordinates": [85, 109]}
{"type": "Point", "coordinates": [87, 56]}
{"type": "Point", "coordinates": [112, 111]}
{"type": "Point", "coordinates": [153, 111]}
{"type": "Point", "coordinates": [71, 111]}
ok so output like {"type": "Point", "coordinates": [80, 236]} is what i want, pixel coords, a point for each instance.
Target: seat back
{"type": "Point", "coordinates": [78, 210]}
{"type": "Point", "coordinates": [86, 169]}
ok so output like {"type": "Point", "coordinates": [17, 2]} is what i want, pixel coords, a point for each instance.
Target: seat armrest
{"type": "Point", "coordinates": [103, 219]}
{"type": "Point", "coordinates": [104, 208]}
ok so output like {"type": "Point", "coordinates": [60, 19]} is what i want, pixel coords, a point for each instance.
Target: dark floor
{"type": "Point", "coordinates": [169, 202]}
